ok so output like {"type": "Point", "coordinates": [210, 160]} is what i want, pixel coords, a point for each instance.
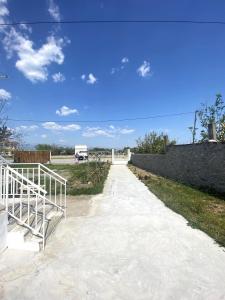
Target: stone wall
{"type": "Point", "coordinates": [200, 165]}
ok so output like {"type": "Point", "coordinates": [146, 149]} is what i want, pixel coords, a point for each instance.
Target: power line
{"type": "Point", "coordinates": [103, 121]}
{"type": "Point", "coordinates": [43, 22]}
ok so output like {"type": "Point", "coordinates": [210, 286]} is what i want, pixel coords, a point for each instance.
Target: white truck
{"type": "Point", "coordinates": [81, 152]}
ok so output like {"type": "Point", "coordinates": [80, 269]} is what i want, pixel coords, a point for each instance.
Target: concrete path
{"type": "Point", "coordinates": [128, 245]}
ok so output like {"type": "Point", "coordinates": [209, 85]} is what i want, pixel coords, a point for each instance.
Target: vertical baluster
{"type": "Point", "coordinates": [55, 191]}
{"type": "Point", "coordinates": [28, 206]}
{"type": "Point", "coordinates": [6, 188]}
{"type": "Point", "coordinates": [39, 174]}
{"type": "Point", "coordinates": [60, 196]}
{"type": "Point", "coordinates": [33, 174]}
{"type": "Point", "coordinates": [4, 185]}
{"type": "Point", "coordinates": [65, 204]}
{"type": "Point", "coordinates": [16, 183]}
{"type": "Point", "coordinates": [13, 194]}
{"type": "Point", "coordinates": [21, 203]}
{"type": "Point", "coordinates": [50, 187]}
{"type": "Point", "coordinates": [36, 210]}
{"type": "Point", "coordinates": [45, 181]}
{"type": "Point", "coordinates": [43, 225]}
{"type": "Point", "coordinates": [1, 187]}
{"type": "Point", "coordinates": [10, 185]}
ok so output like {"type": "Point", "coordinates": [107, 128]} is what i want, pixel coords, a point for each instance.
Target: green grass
{"type": "Point", "coordinates": [202, 210]}
{"type": "Point", "coordinates": [84, 178]}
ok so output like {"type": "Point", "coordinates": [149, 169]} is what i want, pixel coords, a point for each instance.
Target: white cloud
{"type": "Point", "coordinates": [144, 69]}
{"type": "Point", "coordinates": [90, 78]}
{"type": "Point", "coordinates": [54, 11]}
{"type": "Point", "coordinates": [44, 136]}
{"type": "Point", "coordinates": [96, 131]}
{"type": "Point", "coordinates": [65, 111]}
{"type": "Point", "coordinates": [33, 62]}
{"type": "Point", "coordinates": [58, 77]}
{"type": "Point", "coordinates": [58, 127]}
{"type": "Point", "coordinates": [4, 95]}
{"type": "Point", "coordinates": [4, 12]}
{"type": "Point", "coordinates": [110, 131]}
{"type": "Point", "coordinates": [124, 60]}
{"type": "Point", "coordinates": [26, 128]}
{"type": "Point", "coordinates": [25, 27]}
{"type": "Point", "coordinates": [126, 131]}
{"type": "Point", "coordinates": [113, 70]}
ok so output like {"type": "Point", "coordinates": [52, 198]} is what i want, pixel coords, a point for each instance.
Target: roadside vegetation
{"type": "Point", "coordinates": [203, 211]}
{"type": "Point", "coordinates": [85, 178]}
{"type": "Point", "coordinates": [153, 143]}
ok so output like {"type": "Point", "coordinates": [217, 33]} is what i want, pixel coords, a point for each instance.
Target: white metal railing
{"type": "Point", "coordinates": [50, 181]}
{"type": "Point", "coordinates": [3, 160]}
{"type": "Point", "coordinates": [27, 191]}
{"type": "Point", "coordinates": [24, 201]}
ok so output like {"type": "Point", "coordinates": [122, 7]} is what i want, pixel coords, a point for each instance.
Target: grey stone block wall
{"type": "Point", "coordinates": [201, 165]}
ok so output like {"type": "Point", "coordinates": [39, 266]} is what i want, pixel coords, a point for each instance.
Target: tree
{"type": "Point", "coordinates": [213, 113]}
{"type": "Point", "coordinates": [153, 143]}
{"type": "Point", "coordinates": [9, 138]}
{"type": "Point", "coordinates": [55, 149]}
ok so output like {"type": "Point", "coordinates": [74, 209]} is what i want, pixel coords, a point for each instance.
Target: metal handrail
{"type": "Point", "coordinates": [32, 184]}
{"type": "Point", "coordinates": [17, 183]}
{"type": "Point", "coordinates": [3, 160]}
{"type": "Point", "coordinates": [12, 192]}
{"type": "Point", "coordinates": [48, 170]}
{"type": "Point", "coordinates": [54, 173]}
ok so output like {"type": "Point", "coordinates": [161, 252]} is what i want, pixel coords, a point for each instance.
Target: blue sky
{"type": "Point", "coordinates": [109, 71]}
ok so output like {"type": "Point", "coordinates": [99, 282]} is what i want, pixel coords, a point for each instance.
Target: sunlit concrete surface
{"type": "Point", "coordinates": [124, 244]}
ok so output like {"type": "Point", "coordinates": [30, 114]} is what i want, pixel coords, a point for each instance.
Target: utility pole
{"type": "Point", "coordinates": [194, 127]}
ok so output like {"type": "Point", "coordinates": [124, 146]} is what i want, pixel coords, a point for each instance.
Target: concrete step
{"type": "Point", "coordinates": [55, 218]}
{"type": "Point", "coordinates": [21, 237]}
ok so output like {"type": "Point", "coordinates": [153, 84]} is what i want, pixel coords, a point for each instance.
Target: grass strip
{"type": "Point", "coordinates": [200, 209]}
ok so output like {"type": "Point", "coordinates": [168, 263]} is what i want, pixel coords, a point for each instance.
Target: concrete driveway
{"type": "Point", "coordinates": [124, 244]}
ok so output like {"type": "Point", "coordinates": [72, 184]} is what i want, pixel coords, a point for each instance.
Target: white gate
{"type": "Point", "coordinates": [120, 157]}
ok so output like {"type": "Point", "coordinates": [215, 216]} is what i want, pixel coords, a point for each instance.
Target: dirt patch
{"type": "Point", "coordinates": [142, 174]}
{"type": "Point", "coordinates": [78, 206]}
{"type": "Point", "coordinates": [216, 208]}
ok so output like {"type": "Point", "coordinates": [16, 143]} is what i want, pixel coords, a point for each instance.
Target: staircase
{"type": "Point", "coordinates": [35, 200]}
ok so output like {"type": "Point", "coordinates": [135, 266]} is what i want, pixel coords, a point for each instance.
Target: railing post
{"type": "Point", "coordinates": [43, 225]}
{"type": "Point", "coordinates": [65, 204]}
{"type": "Point", "coordinates": [6, 188]}
{"type": "Point", "coordinates": [112, 156]}
{"type": "Point", "coordinates": [39, 175]}
{"type": "Point", "coordinates": [1, 185]}
{"type": "Point", "coordinates": [128, 154]}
